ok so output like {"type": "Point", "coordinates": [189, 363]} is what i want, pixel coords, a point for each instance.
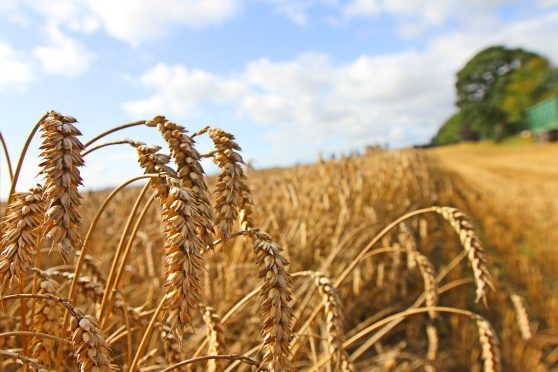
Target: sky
{"type": "Point", "coordinates": [289, 78]}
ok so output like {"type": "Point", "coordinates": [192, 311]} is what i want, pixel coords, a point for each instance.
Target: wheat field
{"type": "Point", "coordinates": [406, 260]}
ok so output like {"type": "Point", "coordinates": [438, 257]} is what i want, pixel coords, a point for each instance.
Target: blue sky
{"type": "Point", "coordinates": [288, 78]}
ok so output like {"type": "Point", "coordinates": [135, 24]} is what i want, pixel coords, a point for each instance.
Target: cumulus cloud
{"type": "Point", "coordinates": [139, 20]}
{"type": "Point", "coordinates": [15, 70]}
{"type": "Point", "coordinates": [401, 97]}
{"type": "Point", "coordinates": [63, 55]}
{"type": "Point", "coordinates": [414, 17]}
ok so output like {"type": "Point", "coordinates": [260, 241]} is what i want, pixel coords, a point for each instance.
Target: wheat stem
{"type": "Point", "coordinates": [110, 279]}
{"type": "Point", "coordinates": [232, 357]}
{"type": "Point", "coordinates": [7, 155]}
{"type": "Point", "coordinates": [85, 246]}
{"type": "Point", "coordinates": [146, 336]}
{"type": "Point", "coordinates": [115, 129]}
{"type": "Point", "coordinates": [22, 156]}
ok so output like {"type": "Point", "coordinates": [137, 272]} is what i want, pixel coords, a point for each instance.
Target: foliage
{"type": "Point", "coordinates": [494, 90]}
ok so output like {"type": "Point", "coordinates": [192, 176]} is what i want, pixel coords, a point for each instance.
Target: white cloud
{"type": "Point", "coordinates": [414, 17]}
{"type": "Point", "coordinates": [312, 100]}
{"type": "Point", "coordinates": [64, 55]}
{"type": "Point", "coordinates": [133, 21]}
{"type": "Point", "coordinates": [297, 10]}
{"type": "Point", "coordinates": [547, 3]}
{"type": "Point", "coordinates": [15, 71]}
{"type": "Point", "coordinates": [138, 20]}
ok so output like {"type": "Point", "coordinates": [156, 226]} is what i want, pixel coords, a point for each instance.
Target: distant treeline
{"type": "Point", "coordinates": [494, 91]}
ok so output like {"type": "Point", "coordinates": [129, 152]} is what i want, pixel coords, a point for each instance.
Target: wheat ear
{"type": "Point", "coordinates": [522, 316]}
{"type": "Point", "coordinates": [189, 171]}
{"type": "Point", "coordinates": [21, 234]}
{"type": "Point", "coordinates": [215, 336]}
{"type": "Point", "coordinates": [183, 249]}
{"type": "Point", "coordinates": [334, 318]}
{"type": "Point", "coordinates": [153, 162]}
{"type": "Point", "coordinates": [471, 243]}
{"type": "Point", "coordinates": [490, 345]}
{"type": "Point", "coordinates": [61, 153]}
{"type": "Point", "coordinates": [89, 343]}
{"type": "Point", "coordinates": [275, 298]}
{"type": "Point", "coordinates": [233, 197]}
{"type": "Point", "coordinates": [46, 320]}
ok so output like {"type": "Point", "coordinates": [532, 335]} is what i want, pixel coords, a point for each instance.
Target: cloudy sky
{"type": "Point", "coordinates": [290, 78]}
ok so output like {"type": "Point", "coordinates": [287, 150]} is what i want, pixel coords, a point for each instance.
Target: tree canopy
{"type": "Point", "coordinates": [494, 90]}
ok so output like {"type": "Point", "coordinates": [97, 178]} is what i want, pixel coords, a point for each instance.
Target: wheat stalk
{"type": "Point", "coordinates": [490, 345]}
{"type": "Point", "coordinates": [232, 195]}
{"type": "Point", "coordinates": [408, 241]}
{"type": "Point", "coordinates": [428, 275]}
{"type": "Point", "coordinates": [61, 162]}
{"type": "Point", "coordinates": [334, 318]}
{"type": "Point", "coordinates": [522, 316]}
{"type": "Point", "coordinates": [183, 250]}
{"type": "Point", "coordinates": [89, 344]}
{"type": "Point", "coordinates": [154, 163]}
{"type": "Point", "coordinates": [471, 243]}
{"type": "Point", "coordinates": [215, 336]}
{"type": "Point", "coordinates": [46, 320]}
{"type": "Point", "coordinates": [20, 235]}
{"type": "Point", "coordinates": [189, 171]}
{"type": "Point", "coordinates": [275, 298]}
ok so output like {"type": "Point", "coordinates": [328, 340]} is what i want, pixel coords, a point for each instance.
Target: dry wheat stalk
{"type": "Point", "coordinates": [232, 195]}
{"type": "Point", "coordinates": [93, 290]}
{"type": "Point", "coordinates": [471, 243]}
{"type": "Point", "coordinates": [30, 361]}
{"type": "Point", "coordinates": [428, 275]}
{"type": "Point", "coordinates": [183, 249]}
{"type": "Point", "coordinates": [433, 342]}
{"type": "Point", "coordinates": [522, 317]}
{"type": "Point", "coordinates": [89, 344]}
{"type": "Point", "coordinates": [408, 241]}
{"type": "Point", "coordinates": [21, 234]}
{"type": "Point", "coordinates": [490, 345]}
{"type": "Point", "coordinates": [61, 162]}
{"type": "Point", "coordinates": [215, 336]}
{"type": "Point", "coordinates": [275, 298]}
{"type": "Point", "coordinates": [46, 320]}
{"type": "Point", "coordinates": [189, 171]}
{"type": "Point", "coordinates": [334, 318]}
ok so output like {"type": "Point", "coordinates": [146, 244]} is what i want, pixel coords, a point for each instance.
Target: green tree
{"type": "Point", "coordinates": [494, 90]}
{"type": "Point", "coordinates": [450, 132]}
{"type": "Point", "coordinates": [483, 86]}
